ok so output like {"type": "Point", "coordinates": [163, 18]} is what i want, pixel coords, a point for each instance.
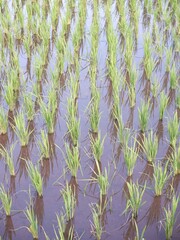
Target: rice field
{"type": "Point", "coordinates": [89, 119]}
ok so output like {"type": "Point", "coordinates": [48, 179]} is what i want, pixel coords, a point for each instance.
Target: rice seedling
{"type": "Point", "coordinates": [130, 157]}
{"type": "Point", "coordinates": [134, 202]}
{"type": "Point", "coordinates": [178, 100]}
{"type": "Point", "coordinates": [69, 201]}
{"type": "Point", "coordinates": [96, 226]}
{"type": "Point", "coordinates": [72, 159]}
{"type": "Point", "coordinates": [168, 59]}
{"type": "Point", "coordinates": [138, 236]}
{"type": "Point", "coordinates": [143, 113]}
{"type": "Point", "coordinates": [10, 96]}
{"type": "Point", "coordinates": [162, 104]}
{"type": "Point", "coordinates": [6, 200]}
{"type": "Point", "coordinates": [8, 157]}
{"type": "Point", "coordinates": [20, 129]}
{"type": "Point", "coordinates": [44, 145]}
{"type": "Point", "coordinates": [35, 177]}
{"type": "Point", "coordinates": [73, 126]}
{"type": "Point", "coordinates": [150, 146]}
{"type": "Point", "coordinates": [102, 179]}
{"type": "Point", "coordinates": [173, 129]}
{"type": "Point", "coordinates": [149, 67]}
{"type": "Point", "coordinates": [48, 113]}
{"type": "Point", "coordinates": [132, 96]}
{"type": "Point", "coordinates": [173, 77]}
{"type": "Point", "coordinates": [155, 88]}
{"type": "Point", "coordinates": [170, 217]}
{"type": "Point", "coordinates": [175, 160]}
{"type": "Point", "coordinates": [32, 219]}
{"type": "Point", "coordinates": [3, 121]}
{"type": "Point", "coordinates": [160, 177]}
{"type": "Point", "coordinates": [29, 106]}
{"type": "Point", "coordinates": [97, 146]}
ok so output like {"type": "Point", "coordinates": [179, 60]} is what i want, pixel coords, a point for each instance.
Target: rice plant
{"type": "Point", "coordinates": [162, 104]}
{"type": "Point", "coordinates": [6, 200]}
{"type": "Point", "coordinates": [102, 179]}
{"type": "Point", "coordinates": [69, 201]}
{"type": "Point", "coordinates": [8, 157]}
{"type": "Point", "coordinates": [170, 217]}
{"type": "Point", "coordinates": [173, 78]}
{"type": "Point", "coordinates": [173, 129]}
{"type": "Point", "coordinates": [97, 146]}
{"type": "Point", "coordinates": [96, 226]}
{"type": "Point", "coordinates": [44, 145]}
{"type": "Point", "coordinates": [73, 125]}
{"type": "Point", "coordinates": [160, 177]}
{"type": "Point", "coordinates": [35, 177]}
{"type": "Point", "coordinates": [33, 222]}
{"type": "Point", "coordinates": [130, 158]}
{"type": "Point", "coordinates": [178, 100]}
{"type": "Point", "coordinates": [21, 129]}
{"type": "Point", "coordinates": [175, 161]}
{"type": "Point", "coordinates": [72, 159]}
{"type": "Point", "coordinates": [150, 146]}
{"type": "Point", "coordinates": [10, 96]}
{"type": "Point", "coordinates": [134, 201]}
{"type": "Point", "coordinates": [3, 121]}
{"type": "Point", "coordinates": [29, 106]}
{"type": "Point", "coordinates": [143, 113]}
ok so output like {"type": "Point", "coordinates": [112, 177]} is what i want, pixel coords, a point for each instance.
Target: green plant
{"type": "Point", "coordinates": [130, 157]}
{"type": "Point", "coordinates": [32, 219]}
{"type": "Point", "coordinates": [29, 106]}
{"type": "Point", "coordinates": [72, 159]}
{"type": "Point", "coordinates": [173, 129]}
{"type": "Point", "coordinates": [170, 217]}
{"type": "Point", "coordinates": [97, 147]}
{"type": "Point", "coordinates": [35, 177]}
{"type": "Point", "coordinates": [143, 113]}
{"type": "Point", "coordinates": [44, 145]}
{"type": "Point", "coordinates": [134, 201]}
{"type": "Point", "coordinates": [150, 146]}
{"type": "Point", "coordinates": [10, 96]}
{"type": "Point", "coordinates": [162, 104]}
{"type": "Point", "coordinates": [69, 201]}
{"type": "Point", "coordinates": [173, 77]}
{"type": "Point", "coordinates": [8, 156]}
{"type": "Point", "coordinates": [21, 130]}
{"type": "Point", "coordinates": [178, 100]}
{"type": "Point", "coordinates": [160, 177]}
{"type": "Point", "coordinates": [6, 200]}
{"type": "Point", "coordinates": [3, 121]}
{"type": "Point", "coordinates": [175, 160]}
{"type": "Point", "coordinates": [102, 179]}
{"type": "Point", "coordinates": [155, 87]}
{"type": "Point", "coordinates": [96, 226]}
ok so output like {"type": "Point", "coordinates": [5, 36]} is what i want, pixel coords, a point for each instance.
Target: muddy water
{"type": "Point", "coordinates": [116, 225]}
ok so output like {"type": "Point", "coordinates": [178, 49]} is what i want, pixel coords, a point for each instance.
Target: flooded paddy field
{"type": "Point", "coordinates": [89, 119]}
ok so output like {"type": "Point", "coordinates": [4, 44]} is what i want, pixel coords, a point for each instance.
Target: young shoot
{"type": "Point", "coordinates": [162, 104]}
{"type": "Point", "coordinates": [3, 121]}
{"type": "Point", "coordinates": [97, 146]}
{"type": "Point", "coordinates": [175, 160]}
{"type": "Point", "coordinates": [150, 146]}
{"type": "Point", "coordinates": [8, 157]}
{"type": "Point", "coordinates": [173, 129]}
{"type": "Point", "coordinates": [130, 157]}
{"type": "Point", "coordinates": [6, 200]}
{"type": "Point", "coordinates": [33, 222]}
{"type": "Point", "coordinates": [143, 116]}
{"type": "Point", "coordinates": [44, 145]}
{"type": "Point", "coordinates": [96, 225]}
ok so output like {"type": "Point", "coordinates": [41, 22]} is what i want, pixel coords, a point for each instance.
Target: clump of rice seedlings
{"type": "Point", "coordinates": [3, 121]}
{"type": "Point", "coordinates": [134, 201]}
{"type": "Point", "coordinates": [175, 160]}
{"type": "Point", "coordinates": [97, 146]}
{"type": "Point", "coordinates": [69, 201]}
{"type": "Point", "coordinates": [162, 104]}
{"type": "Point", "coordinates": [102, 179]}
{"type": "Point", "coordinates": [8, 157]}
{"type": "Point", "coordinates": [173, 129]}
{"type": "Point", "coordinates": [44, 145]}
{"type": "Point", "coordinates": [130, 157]}
{"type": "Point", "coordinates": [6, 200]}
{"type": "Point", "coordinates": [73, 125]}
{"type": "Point", "coordinates": [168, 59]}
{"type": "Point", "coordinates": [94, 112]}
{"type": "Point", "coordinates": [35, 177]}
{"type": "Point", "coordinates": [150, 146]}
{"type": "Point", "coordinates": [147, 47]}
{"type": "Point", "coordinates": [170, 217]}
{"type": "Point", "coordinates": [132, 96]}
{"type": "Point", "coordinates": [10, 96]}
{"type": "Point", "coordinates": [160, 177]}
{"type": "Point", "coordinates": [29, 106]}
{"type": "Point", "coordinates": [20, 129]}
{"type": "Point", "coordinates": [173, 77]}
{"type": "Point", "coordinates": [33, 222]}
{"type": "Point", "coordinates": [72, 159]}
{"type": "Point", "coordinates": [48, 113]}
{"type": "Point", "coordinates": [96, 226]}
{"type": "Point", "coordinates": [149, 67]}
{"type": "Point", "coordinates": [59, 233]}
{"type": "Point", "coordinates": [155, 88]}
{"type": "Point", "coordinates": [178, 100]}
{"type": "Point", "coordinates": [143, 113]}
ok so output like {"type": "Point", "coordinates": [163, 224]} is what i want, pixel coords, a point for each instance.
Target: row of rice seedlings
{"type": "Point", "coordinates": [134, 13]}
